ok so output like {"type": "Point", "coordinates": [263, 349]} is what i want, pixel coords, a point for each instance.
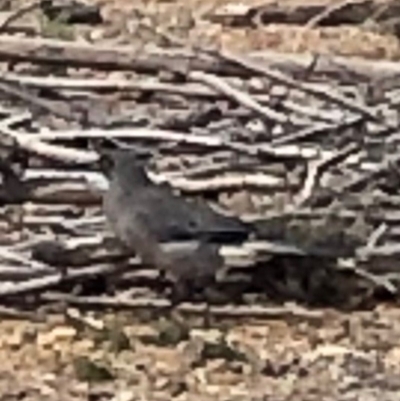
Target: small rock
{"type": "Point", "coordinates": [124, 396]}
{"type": "Point", "coordinates": [392, 359]}
{"type": "Point", "coordinates": [212, 335]}
{"type": "Point", "coordinates": [16, 339]}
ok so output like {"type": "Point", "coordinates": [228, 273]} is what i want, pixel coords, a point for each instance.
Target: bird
{"type": "Point", "coordinates": [180, 237]}
{"type": "Point", "coordinates": [167, 215]}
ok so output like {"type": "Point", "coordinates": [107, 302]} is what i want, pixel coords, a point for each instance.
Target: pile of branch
{"type": "Point", "coordinates": [306, 151]}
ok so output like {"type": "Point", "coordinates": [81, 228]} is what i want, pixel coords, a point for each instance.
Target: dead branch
{"type": "Point", "coordinates": [290, 310]}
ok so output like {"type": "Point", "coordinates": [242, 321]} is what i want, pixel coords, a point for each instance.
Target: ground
{"type": "Point", "coordinates": [362, 41]}
{"type": "Point", "coordinates": [339, 356]}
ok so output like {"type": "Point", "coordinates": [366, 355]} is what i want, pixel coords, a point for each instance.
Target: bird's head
{"type": "Point", "coordinates": [125, 165]}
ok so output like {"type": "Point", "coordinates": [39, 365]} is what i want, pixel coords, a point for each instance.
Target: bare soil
{"type": "Point", "coordinates": [340, 357]}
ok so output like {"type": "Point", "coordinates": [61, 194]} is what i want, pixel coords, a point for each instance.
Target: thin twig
{"type": "Point", "coordinates": [277, 76]}
{"type": "Point", "coordinates": [291, 310]}
{"type": "Point", "coordinates": [328, 10]}
{"type": "Point", "coordinates": [316, 169]}
{"type": "Point", "coordinates": [188, 90]}
{"type": "Point", "coordinates": [242, 98]}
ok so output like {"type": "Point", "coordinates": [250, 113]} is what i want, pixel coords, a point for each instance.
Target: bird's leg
{"type": "Point", "coordinates": [207, 318]}
{"type": "Point", "coordinates": [208, 293]}
{"type": "Point", "coordinates": [180, 292]}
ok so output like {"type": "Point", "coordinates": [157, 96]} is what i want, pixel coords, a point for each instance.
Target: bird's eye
{"type": "Point", "coordinates": [106, 164]}
{"type": "Point", "coordinates": [192, 224]}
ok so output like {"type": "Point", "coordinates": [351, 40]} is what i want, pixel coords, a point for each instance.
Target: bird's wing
{"type": "Point", "coordinates": [174, 218]}
{"type": "Point", "coordinates": [164, 216]}
{"type": "Point", "coordinates": [216, 225]}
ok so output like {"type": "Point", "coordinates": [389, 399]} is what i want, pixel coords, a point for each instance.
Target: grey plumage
{"type": "Point", "coordinates": [145, 216]}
